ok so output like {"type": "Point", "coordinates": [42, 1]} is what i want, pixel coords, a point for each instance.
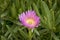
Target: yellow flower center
{"type": "Point", "coordinates": [30, 21]}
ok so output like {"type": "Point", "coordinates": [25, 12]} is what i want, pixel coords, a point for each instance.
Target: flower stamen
{"type": "Point", "coordinates": [30, 21]}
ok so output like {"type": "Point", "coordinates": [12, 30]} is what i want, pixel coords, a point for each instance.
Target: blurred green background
{"type": "Point", "coordinates": [47, 10]}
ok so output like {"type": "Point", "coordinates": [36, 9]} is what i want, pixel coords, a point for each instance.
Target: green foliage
{"type": "Point", "coordinates": [47, 10]}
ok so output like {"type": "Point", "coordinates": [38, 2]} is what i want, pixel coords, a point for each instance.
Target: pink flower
{"type": "Point", "coordinates": [29, 19]}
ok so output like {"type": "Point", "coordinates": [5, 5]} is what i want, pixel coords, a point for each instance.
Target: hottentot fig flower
{"type": "Point", "coordinates": [29, 19]}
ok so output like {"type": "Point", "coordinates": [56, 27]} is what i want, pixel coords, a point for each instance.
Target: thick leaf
{"type": "Point", "coordinates": [46, 14]}
{"type": "Point", "coordinates": [55, 37]}
{"type": "Point", "coordinates": [13, 11]}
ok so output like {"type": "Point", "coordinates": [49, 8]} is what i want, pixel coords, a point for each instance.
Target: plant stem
{"type": "Point", "coordinates": [30, 34]}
